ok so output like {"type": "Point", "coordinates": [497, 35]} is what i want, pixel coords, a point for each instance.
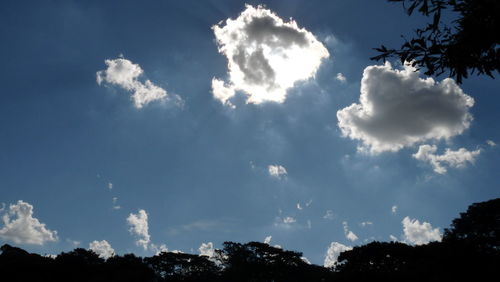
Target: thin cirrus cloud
{"type": "Point", "coordinates": [125, 74]}
{"type": "Point", "coordinates": [419, 233]}
{"type": "Point", "coordinates": [450, 158]}
{"type": "Point", "coordinates": [21, 227]}
{"type": "Point", "coordinates": [102, 248]}
{"type": "Point", "coordinates": [266, 56]}
{"type": "Point", "coordinates": [398, 109]}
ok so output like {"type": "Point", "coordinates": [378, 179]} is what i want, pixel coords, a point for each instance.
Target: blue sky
{"type": "Point", "coordinates": [85, 158]}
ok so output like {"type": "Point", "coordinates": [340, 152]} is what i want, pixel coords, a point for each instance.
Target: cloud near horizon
{"type": "Point", "coordinates": [333, 252]}
{"type": "Point", "coordinates": [21, 227]}
{"type": "Point", "coordinates": [419, 233]}
{"type": "Point", "coordinates": [139, 226]}
{"type": "Point", "coordinates": [266, 56]}
{"type": "Point", "coordinates": [102, 248]}
{"type": "Point", "coordinates": [399, 109]}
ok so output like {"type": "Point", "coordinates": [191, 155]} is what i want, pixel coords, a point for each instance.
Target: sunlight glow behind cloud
{"type": "Point", "coordinates": [266, 56]}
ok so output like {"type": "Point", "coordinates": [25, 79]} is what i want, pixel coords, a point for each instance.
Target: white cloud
{"type": "Point", "coordinates": [268, 239]}
{"type": "Point", "coordinates": [351, 236]}
{"type": "Point", "coordinates": [207, 249]}
{"type": "Point", "coordinates": [394, 209]}
{"type": "Point", "coordinates": [102, 248]}
{"type": "Point", "coordinates": [159, 249]}
{"type": "Point", "coordinates": [309, 224]}
{"type": "Point", "coordinates": [329, 215]}
{"type": "Point", "coordinates": [125, 74]}
{"type": "Point", "coordinates": [348, 233]}
{"type": "Point", "coordinates": [340, 77]}
{"type": "Point", "coordinates": [456, 159]}
{"type": "Point", "coordinates": [277, 171]}
{"type": "Point", "coordinates": [299, 207]}
{"type": "Point", "coordinates": [266, 56]}
{"type": "Point", "coordinates": [419, 233]}
{"type": "Point", "coordinates": [289, 220]}
{"type": "Point", "coordinates": [139, 227]}
{"type": "Point", "coordinates": [110, 185]}
{"type": "Point", "coordinates": [22, 228]}
{"type": "Point", "coordinates": [333, 252]}
{"type": "Point", "coordinates": [398, 109]}
{"type": "Point", "coordinates": [393, 238]}
{"type": "Point", "coordinates": [491, 143]}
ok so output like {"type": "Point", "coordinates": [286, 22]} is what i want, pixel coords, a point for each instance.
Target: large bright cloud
{"type": "Point", "coordinates": [21, 227]}
{"type": "Point", "coordinates": [139, 226]}
{"type": "Point", "coordinates": [125, 74]}
{"type": "Point", "coordinates": [333, 252]}
{"type": "Point", "coordinates": [450, 158]}
{"type": "Point", "coordinates": [102, 248]}
{"type": "Point", "coordinates": [419, 233]}
{"type": "Point", "coordinates": [398, 109]}
{"type": "Point", "coordinates": [266, 56]}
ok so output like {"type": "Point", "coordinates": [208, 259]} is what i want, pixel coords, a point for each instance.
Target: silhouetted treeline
{"type": "Point", "coordinates": [469, 251]}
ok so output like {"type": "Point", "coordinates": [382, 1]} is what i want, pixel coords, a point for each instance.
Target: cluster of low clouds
{"type": "Point", "coordinates": [414, 233]}
{"type": "Point", "coordinates": [398, 109]}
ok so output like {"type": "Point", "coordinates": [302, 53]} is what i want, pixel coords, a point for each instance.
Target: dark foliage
{"type": "Point", "coordinates": [469, 252]}
{"type": "Point", "coordinates": [471, 44]}
{"type": "Point", "coordinates": [479, 226]}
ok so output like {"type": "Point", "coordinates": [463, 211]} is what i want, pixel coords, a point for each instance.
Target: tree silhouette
{"type": "Point", "coordinates": [170, 266]}
{"type": "Point", "coordinates": [469, 252]}
{"type": "Point", "coordinates": [255, 261]}
{"type": "Point", "coordinates": [470, 44]}
{"type": "Point", "coordinates": [479, 225]}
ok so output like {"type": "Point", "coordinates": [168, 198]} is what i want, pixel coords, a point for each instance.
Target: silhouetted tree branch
{"type": "Point", "coordinates": [471, 44]}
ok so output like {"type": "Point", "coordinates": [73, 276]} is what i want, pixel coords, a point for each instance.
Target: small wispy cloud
{"type": "Point", "coordinates": [340, 77]}
{"type": "Point", "coordinates": [277, 171]}
{"type": "Point", "coordinates": [348, 233]}
{"type": "Point", "coordinates": [124, 73]}
{"type": "Point", "coordinates": [329, 215]}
